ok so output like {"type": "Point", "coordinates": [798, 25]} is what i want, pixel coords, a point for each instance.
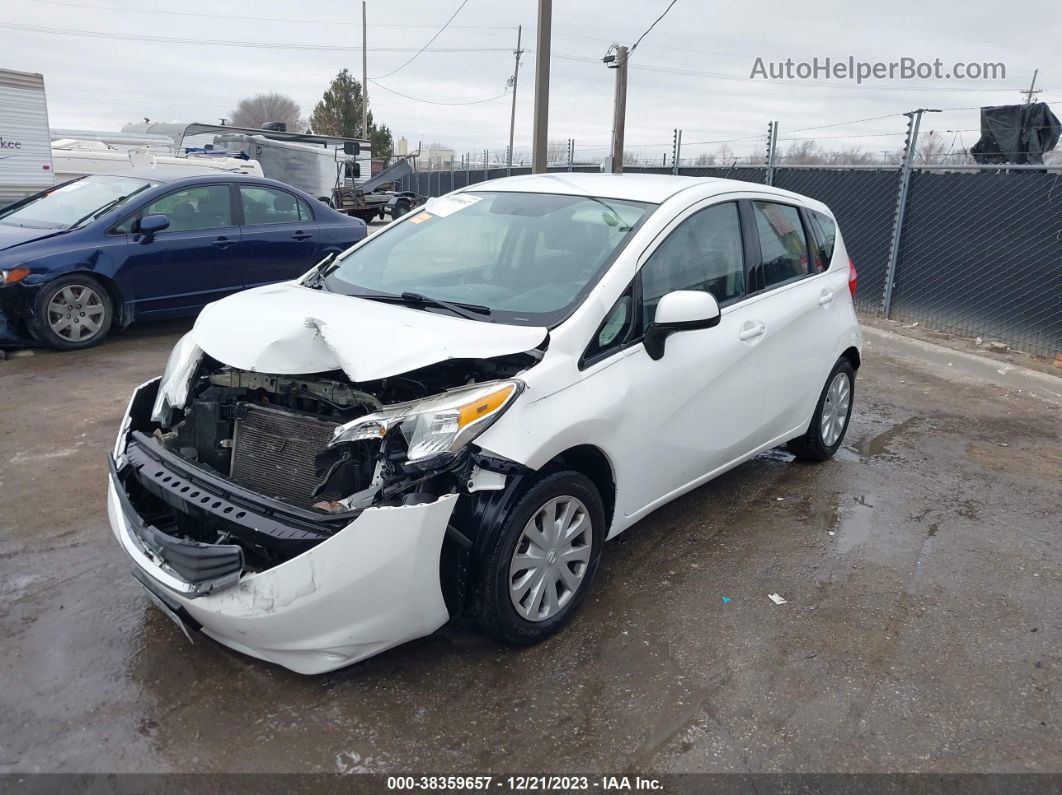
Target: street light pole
{"type": "Point", "coordinates": [541, 121]}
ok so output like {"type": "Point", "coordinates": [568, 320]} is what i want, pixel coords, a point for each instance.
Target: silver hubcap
{"type": "Point", "coordinates": [75, 313]}
{"type": "Point", "coordinates": [551, 558]}
{"type": "Point", "coordinates": [835, 409]}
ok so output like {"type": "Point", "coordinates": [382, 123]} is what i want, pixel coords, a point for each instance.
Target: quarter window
{"type": "Point", "coordinates": [704, 252]}
{"type": "Point", "coordinates": [826, 235]}
{"type": "Point", "coordinates": [191, 209]}
{"type": "Point", "coordinates": [783, 249]}
{"type": "Point", "coordinates": [271, 206]}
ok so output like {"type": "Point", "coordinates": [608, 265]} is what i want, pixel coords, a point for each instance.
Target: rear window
{"type": "Point", "coordinates": [825, 231]}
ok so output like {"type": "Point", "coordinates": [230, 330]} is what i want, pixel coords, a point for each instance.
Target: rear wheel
{"type": "Point", "coordinates": [402, 206]}
{"type": "Point", "coordinates": [832, 413]}
{"type": "Point", "coordinates": [543, 559]}
{"type": "Point", "coordinates": [73, 312]}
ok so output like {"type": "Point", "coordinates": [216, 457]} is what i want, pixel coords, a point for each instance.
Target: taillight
{"type": "Point", "coordinates": [852, 276]}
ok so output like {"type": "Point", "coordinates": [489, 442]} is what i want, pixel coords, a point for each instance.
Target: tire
{"type": "Point", "coordinates": [401, 208]}
{"type": "Point", "coordinates": [822, 441]}
{"type": "Point", "coordinates": [73, 312]}
{"type": "Point", "coordinates": [497, 611]}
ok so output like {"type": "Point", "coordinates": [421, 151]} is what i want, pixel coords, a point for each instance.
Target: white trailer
{"type": "Point", "coordinates": [25, 143]}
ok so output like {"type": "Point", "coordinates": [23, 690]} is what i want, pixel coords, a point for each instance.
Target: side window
{"type": "Point", "coordinates": [703, 253]}
{"type": "Point", "coordinates": [125, 226]}
{"type": "Point", "coordinates": [268, 206]}
{"type": "Point", "coordinates": [783, 249]}
{"type": "Point", "coordinates": [201, 207]}
{"type": "Point", "coordinates": [305, 213]}
{"type": "Point", "coordinates": [826, 234]}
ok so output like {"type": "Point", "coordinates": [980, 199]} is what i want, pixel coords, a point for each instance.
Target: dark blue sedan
{"type": "Point", "coordinates": [103, 251]}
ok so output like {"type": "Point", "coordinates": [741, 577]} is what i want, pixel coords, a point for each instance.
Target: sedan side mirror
{"type": "Point", "coordinates": [681, 310]}
{"type": "Point", "coordinates": [150, 224]}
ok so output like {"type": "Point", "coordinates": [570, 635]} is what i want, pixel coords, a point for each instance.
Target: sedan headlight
{"type": "Point", "coordinates": [439, 424]}
{"type": "Point", "coordinates": [176, 379]}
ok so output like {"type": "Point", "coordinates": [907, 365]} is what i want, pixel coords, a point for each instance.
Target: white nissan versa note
{"type": "Point", "coordinates": [454, 415]}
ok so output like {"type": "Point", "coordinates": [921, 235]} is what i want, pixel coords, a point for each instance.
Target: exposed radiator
{"type": "Point", "coordinates": [273, 452]}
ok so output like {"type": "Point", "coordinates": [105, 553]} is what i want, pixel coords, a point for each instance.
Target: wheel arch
{"type": "Point", "coordinates": [591, 461]}
{"type": "Point", "coordinates": [852, 355]}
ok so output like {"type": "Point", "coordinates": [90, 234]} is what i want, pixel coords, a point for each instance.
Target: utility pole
{"type": "Point", "coordinates": [619, 63]}
{"type": "Point", "coordinates": [364, 76]}
{"type": "Point", "coordinates": [1032, 89]}
{"type": "Point", "coordinates": [515, 80]}
{"type": "Point", "coordinates": [540, 127]}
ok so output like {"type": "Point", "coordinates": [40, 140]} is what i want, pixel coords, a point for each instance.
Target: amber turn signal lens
{"type": "Point", "coordinates": [470, 412]}
{"type": "Point", "coordinates": [15, 275]}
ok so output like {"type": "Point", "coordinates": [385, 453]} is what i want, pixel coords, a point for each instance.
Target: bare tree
{"type": "Point", "coordinates": [933, 150]}
{"type": "Point", "coordinates": [630, 158]}
{"type": "Point", "coordinates": [261, 108]}
{"type": "Point", "coordinates": [706, 159]}
{"type": "Point", "coordinates": [556, 152]}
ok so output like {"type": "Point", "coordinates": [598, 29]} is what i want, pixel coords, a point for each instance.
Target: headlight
{"type": "Point", "coordinates": [439, 424]}
{"type": "Point", "coordinates": [176, 379]}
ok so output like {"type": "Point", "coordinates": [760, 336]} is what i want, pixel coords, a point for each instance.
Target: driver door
{"type": "Point", "coordinates": [701, 405]}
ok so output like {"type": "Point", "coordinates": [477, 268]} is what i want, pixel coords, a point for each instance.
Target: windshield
{"type": "Point", "coordinates": [75, 202]}
{"type": "Point", "coordinates": [526, 258]}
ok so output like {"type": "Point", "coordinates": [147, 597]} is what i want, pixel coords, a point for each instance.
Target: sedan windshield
{"type": "Point", "coordinates": [75, 202]}
{"type": "Point", "coordinates": [520, 258]}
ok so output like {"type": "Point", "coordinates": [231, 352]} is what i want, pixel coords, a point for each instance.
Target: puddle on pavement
{"type": "Point", "coordinates": [855, 524]}
{"type": "Point", "coordinates": [881, 445]}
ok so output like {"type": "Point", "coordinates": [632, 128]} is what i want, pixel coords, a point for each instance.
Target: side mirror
{"type": "Point", "coordinates": [681, 310]}
{"type": "Point", "coordinates": [150, 224]}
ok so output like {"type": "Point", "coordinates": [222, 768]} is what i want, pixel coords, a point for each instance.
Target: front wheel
{"type": "Point", "coordinates": [832, 413]}
{"type": "Point", "coordinates": [73, 312]}
{"type": "Point", "coordinates": [544, 557]}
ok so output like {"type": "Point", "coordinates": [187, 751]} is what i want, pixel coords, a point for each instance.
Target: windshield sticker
{"type": "Point", "coordinates": [420, 218]}
{"type": "Point", "coordinates": [450, 204]}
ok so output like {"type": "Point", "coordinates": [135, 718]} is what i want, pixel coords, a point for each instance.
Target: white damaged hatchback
{"type": "Point", "coordinates": [452, 417]}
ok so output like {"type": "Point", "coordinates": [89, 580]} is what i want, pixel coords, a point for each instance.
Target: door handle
{"type": "Point", "coordinates": [826, 298]}
{"type": "Point", "coordinates": [223, 242]}
{"type": "Point", "coordinates": [300, 235]}
{"type": "Point", "coordinates": [751, 331]}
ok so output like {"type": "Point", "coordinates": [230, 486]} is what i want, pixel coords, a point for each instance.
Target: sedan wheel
{"type": "Point", "coordinates": [830, 420]}
{"type": "Point", "coordinates": [76, 313]}
{"type": "Point", "coordinates": [551, 558]}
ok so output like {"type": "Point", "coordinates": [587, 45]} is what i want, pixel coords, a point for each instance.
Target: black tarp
{"type": "Point", "coordinates": [1018, 134]}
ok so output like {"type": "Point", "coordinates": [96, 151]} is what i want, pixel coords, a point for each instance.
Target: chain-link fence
{"type": "Point", "coordinates": [979, 252]}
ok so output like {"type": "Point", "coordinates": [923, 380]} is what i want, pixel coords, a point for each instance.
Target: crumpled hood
{"type": "Point", "coordinates": [287, 329]}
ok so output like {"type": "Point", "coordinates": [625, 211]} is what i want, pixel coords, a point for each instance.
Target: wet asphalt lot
{"type": "Point", "coordinates": [922, 631]}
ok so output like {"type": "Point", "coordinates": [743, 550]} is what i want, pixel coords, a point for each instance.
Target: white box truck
{"type": "Point", "coordinates": [25, 143]}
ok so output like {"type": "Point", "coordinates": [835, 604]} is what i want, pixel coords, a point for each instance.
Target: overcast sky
{"type": "Point", "coordinates": [101, 83]}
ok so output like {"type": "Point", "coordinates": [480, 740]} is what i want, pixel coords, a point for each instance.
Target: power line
{"type": "Point", "coordinates": [433, 38]}
{"type": "Point", "coordinates": [375, 82]}
{"type": "Point", "coordinates": [286, 20]}
{"type": "Point", "coordinates": [639, 39]}
{"type": "Point", "coordinates": [262, 45]}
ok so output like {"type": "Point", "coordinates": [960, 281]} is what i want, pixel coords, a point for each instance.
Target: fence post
{"type": "Point", "coordinates": [486, 173]}
{"type": "Point", "coordinates": [914, 119]}
{"type": "Point", "coordinates": [508, 162]}
{"type": "Point", "coordinates": [571, 154]}
{"type": "Point", "coordinates": [676, 151]}
{"type": "Point", "coordinates": [772, 143]}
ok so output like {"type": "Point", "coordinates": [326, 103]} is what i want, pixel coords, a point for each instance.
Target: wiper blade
{"type": "Point", "coordinates": [97, 213]}
{"type": "Point", "coordinates": [469, 311]}
{"type": "Point", "coordinates": [316, 279]}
